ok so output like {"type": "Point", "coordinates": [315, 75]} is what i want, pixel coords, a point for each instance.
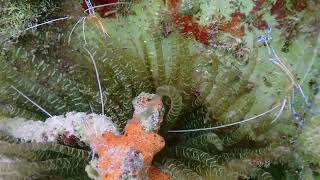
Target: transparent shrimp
{"type": "Point", "coordinates": [294, 88]}
{"type": "Point", "coordinates": [93, 18]}
{"type": "Point", "coordinates": [90, 18]}
{"type": "Point", "coordinates": [291, 90]}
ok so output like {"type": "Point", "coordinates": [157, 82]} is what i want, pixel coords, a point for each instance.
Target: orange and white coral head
{"type": "Point", "coordinates": [129, 156]}
{"type": "Point", "coordinates": [142, 102]}
{"type": "Point", "coordinates": [149, 110]}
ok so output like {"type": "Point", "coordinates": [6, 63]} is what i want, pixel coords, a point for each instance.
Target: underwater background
{"type": "Point", "coordinates": [160, 89]}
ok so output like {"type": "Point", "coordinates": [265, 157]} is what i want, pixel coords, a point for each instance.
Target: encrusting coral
{"type": "Point", "coordinates": [119, 156]}
{"type": "Point", "coordinates": [130, 155]}
{"type": "Point", "coordinates": [218, 99]}
{"type": "Point", "coordinates": [55, 127]}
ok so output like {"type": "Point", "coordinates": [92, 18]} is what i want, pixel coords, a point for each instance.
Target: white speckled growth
{"type": "Point", "coordinates": [148, 107]}
{"type": "Point", "coordinates": [140, 103]}
{"type": "Point", "coordinates": [73, 123]}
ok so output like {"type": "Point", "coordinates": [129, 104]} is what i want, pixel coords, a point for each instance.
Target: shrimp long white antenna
{"type": "Point", "coordinates": [315, 53]}
{"type": "Point", "coordinates": [91, 108]}
{"type": "Point", "coordinates": [280, 111]}
{"type": "Point", "coordinates": [34, 103]}
{"type": "Point", "coordinates": [98, 79]}
{"type": "Point", "coordinates": [74, 27]}
{"type": "Point", "coordinates": [103, 29]}
{"type": "Point", "coordinates": [105, 5]}
{"type": "Point", "coordinates": [37, 25]}
{"type": "Point", "coordinates": [227, 125]}
{"type": "Point", "coordinates": [84, 35]}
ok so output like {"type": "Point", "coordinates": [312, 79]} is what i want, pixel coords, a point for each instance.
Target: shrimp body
{"type": "Point", "coordinates": [104, 10]}
{"type": "Point", "coordinates": [96, 20]}
{"type": "Point", "coordinates": [294, 89]}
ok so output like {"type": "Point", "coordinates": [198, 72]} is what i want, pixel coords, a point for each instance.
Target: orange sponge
{"type": "Point", "coordinates": [157, 174]}
{"type": "Point", "coordinates": [130, 155]}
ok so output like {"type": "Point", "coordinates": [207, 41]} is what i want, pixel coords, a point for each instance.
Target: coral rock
{"type": "Point", "coordinates": [130, 155]}
{"type": "Point", "coordinates": [157, 174]}
{"type": "Point", "coordinates": [135, 144]}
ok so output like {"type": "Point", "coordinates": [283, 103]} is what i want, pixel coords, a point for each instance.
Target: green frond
{"type": "Point", "coordinates": [160, 61]}
{"type": "Point", "coordinates": [36, 151]}
{"type": "Point", "coordinates": [261, 174]}
{"type": "Point", "coordinates": [210, 173]}
{"type": "Point", "coordinates": [7, 138]}
{"type": "Point", "coordinates": [205, 140]}
{"type": "Point", "coordinates": [13, 177]}
{"type": "Point", "coordinates": [175, 103]}
{"type": "Point", "coordinates": [12, 110]}
{"type": "Point", "coordinates": [235, 137]}
{"type": "Point", "coordinates": [65, 167]}
{"type": "Point", "coordinates": [148, 70]}
{"type": "Point", "coordinates": [179, 170]}
{"type": "Point", "coordinates": [239, 109]}
{"type": "Point", "coordinates": [43, 91]}
{"type": "Point", "coordinates": [196, 155]}
{"type": "Point", "coordinates": [181, 76]}
{"type": "Point", "coordinates": [15, 150]}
